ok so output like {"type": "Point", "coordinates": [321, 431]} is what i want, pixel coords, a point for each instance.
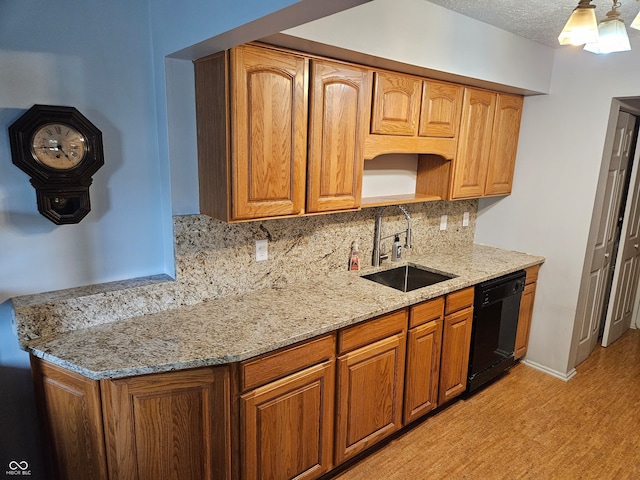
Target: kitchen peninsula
{"type": "Point", "coordinates": [236, 328]}
{"type": "Point", "coordinates": [218, 362]}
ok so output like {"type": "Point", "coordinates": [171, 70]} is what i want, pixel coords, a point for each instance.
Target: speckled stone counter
{"type": "Point", "coordinates": [235, 328]}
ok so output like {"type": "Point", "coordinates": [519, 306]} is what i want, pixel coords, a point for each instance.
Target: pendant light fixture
{"type": "Point", "coordinates": [636, 21]}
{"type": "Point", "coordinates": [582, 26]}
{"type": "Point", "coordinates": [612, 34]}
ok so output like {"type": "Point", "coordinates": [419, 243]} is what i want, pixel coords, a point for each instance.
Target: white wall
{"type": "Point", "coordinates": [559, 157]}
{"type": "Point", "coordinates": [420, 33]}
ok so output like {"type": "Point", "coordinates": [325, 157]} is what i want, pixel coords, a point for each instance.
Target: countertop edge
{"type": "Point", "coordinates": [47, 349]}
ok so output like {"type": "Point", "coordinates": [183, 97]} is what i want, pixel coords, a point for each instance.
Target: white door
{"type": "Point", "coordinates": [627, 270]}
{"type": "Point", "coordinates": [600, 271]}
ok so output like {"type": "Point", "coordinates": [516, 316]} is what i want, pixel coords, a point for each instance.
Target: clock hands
{"type": "Point", "coordinates": [58, 148]}
{"type": "Point", "coordinates": [63, 152]}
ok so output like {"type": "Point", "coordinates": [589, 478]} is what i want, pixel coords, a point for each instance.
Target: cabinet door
{"type": "Point", "coordinates": [268, 132]}
{"type": "Point", "coordinates": [474, 144]}
{"type": "Point", "coordinates": [369, 397]}
{"type": "Point", "coordinates": [337, 127]}
{"type": "Point", "coordinates": [287, 426]}
{"type": "Point", "coordinates": [504, 144]}
{"type": "Point", "coordinates": [441, 109]}
{"type": "Point", "coordinates": [524, 320]}
{"type": "Point", "coordinates": [454, 364]}
{"type": "Point", "coordinates": [396, 104]}
{"type": "Point", "coordinates": [423, 369]}
{"type": "Point", "coordinates": [71, 418]}
{"type": "Point", "coordinates": [168, 425]}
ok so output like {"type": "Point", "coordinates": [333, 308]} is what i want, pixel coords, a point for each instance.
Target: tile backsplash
{"type": "Point", "coordinates": [215, 259]}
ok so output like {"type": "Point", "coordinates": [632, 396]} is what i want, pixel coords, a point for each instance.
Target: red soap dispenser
{"type": "Point", "coordinates": [354, 258]}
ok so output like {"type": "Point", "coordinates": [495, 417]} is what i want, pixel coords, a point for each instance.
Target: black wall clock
{"type": "Point", "coordinates": [60, 149]}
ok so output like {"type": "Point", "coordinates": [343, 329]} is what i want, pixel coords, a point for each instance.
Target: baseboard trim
{"type": "Point", "coordinates": [554, 373]}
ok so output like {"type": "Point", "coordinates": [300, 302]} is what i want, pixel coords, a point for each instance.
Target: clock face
{"type": "Point", "coordinates": [58, 146]}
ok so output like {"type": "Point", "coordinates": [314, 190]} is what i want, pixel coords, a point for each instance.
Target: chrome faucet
{"type": "Point", "coordinates": [378, 256]}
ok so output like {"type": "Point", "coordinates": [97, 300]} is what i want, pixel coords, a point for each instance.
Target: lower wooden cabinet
{"type": "Point", "coordinates": [424, 344]}
{"type": "Point", "coordinates": [167, 425]}
{"type": "Point", "coordinates": [370, 380]}
{"type": "Point", "coordinates": [287, 426]}
{"type": "Point", "coordinates": [526, 312]}
{"type": "Point", "coordinates": [71, 419]}
{"type": "Point", "coordinates": [456, 343]}
{"type": "Point", "coordinates": [293, 413]}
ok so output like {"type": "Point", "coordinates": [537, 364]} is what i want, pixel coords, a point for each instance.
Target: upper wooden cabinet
{"type": "Point", "coordinates": [254, 107]}
{"type": "Point", "coordinates": [251, 108]}
{"type": "Point", "coordinates": [406, 105]}
{"type": "Point", "coordinates": [441, 109]}
{"type": "Point", "coordinates": [413, 115]}
{"type": "Point", "coordinates": [338, 121]}
{"type": "Point", "coordinates": [504, 144]}
{"type": "Point", "coordinates": [396, 104]}
{"type": "Point", "coordinates": [268, 132]}
{"type": "Point", "coordinates": [283, 133]}
{"type": "Point", "coordinates": [474, 144]}
{"type": "Point", "coordinates": [487, 144]}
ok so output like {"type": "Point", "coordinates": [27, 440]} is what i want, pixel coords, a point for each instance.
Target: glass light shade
{"type": "Point", "coordinates": [636, 22]}
{"type": "Point", "coordinates": [613, 38]}
{"type": "Point", "coordinates": [581, 28]}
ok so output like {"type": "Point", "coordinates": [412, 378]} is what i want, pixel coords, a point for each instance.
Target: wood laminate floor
{"type": "Point", "coordinates": [529, 425]}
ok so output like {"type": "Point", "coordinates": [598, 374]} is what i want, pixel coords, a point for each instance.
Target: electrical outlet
{"type": "Point", "coordinates": [443, 222]}
{"type": "Point", "coordinates": [262, 250]}
{"type": "Point", "coordinates": [465, 219]}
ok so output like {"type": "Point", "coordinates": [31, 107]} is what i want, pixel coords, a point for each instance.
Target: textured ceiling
{"type": "Point", "coordinates": [537, 20]}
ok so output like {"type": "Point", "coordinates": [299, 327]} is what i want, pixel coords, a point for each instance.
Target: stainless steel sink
{"type": "Point", "coordinates": [408, 278]}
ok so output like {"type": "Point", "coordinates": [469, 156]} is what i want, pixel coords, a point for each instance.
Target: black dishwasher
{"type": "Point", "coordinates": [493, 333]}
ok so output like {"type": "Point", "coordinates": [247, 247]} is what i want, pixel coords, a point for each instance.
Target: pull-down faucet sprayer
{"type": "Point", "coordinates": [378, 256]}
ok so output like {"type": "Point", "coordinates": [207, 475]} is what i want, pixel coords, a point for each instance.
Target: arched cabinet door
{"type": "Point", "coordinates": [441, 109]}
{"type": "Point", "coordinates": [396, 104]}
{"type": "Point", "coordinates": [474, 144]}
{"type": "Point", "coordinates": [338, 122]}
{"type": "Point", "coordinates": [268, 132]}
{"type": "Point", "coordinates": [504, 144]}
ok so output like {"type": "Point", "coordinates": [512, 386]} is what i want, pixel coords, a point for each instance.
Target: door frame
{"type": "Point", "coordinates": [617, 105]}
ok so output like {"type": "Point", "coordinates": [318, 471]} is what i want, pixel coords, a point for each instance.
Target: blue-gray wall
{"type": "Point", "coordinates": [106, 58]}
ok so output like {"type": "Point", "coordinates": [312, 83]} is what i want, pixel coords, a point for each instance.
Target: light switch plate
{"type": "Point", "coordinates": [262, 250]}
{"type": "Point", "coordinates": [465, 219]}
{"type": "Point", "coordinates": [443, 222]}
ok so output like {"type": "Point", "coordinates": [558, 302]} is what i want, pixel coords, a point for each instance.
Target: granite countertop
{"type": "Point", "coordinates": [232, 329]}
